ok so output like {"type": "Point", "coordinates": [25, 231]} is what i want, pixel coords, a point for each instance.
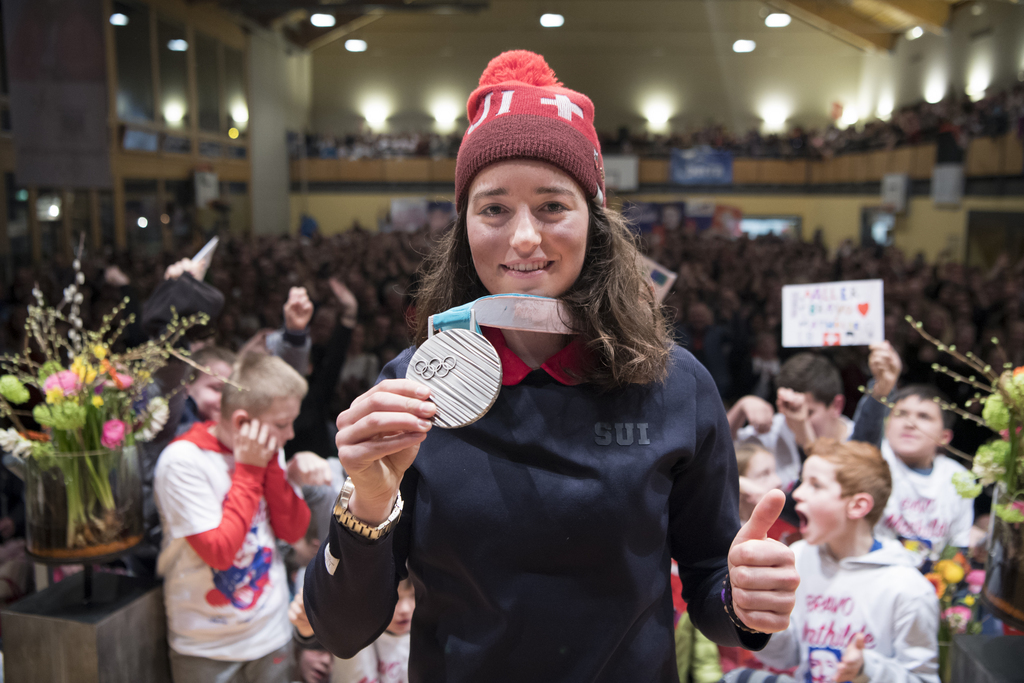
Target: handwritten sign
{"type": "Point", "coordinates": [847, 313]}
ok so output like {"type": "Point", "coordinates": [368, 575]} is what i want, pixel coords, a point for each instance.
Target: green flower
{"type": "Point", "coordinates": [990, 461]}
{"type": "Point", "coordinates": [49, 367]}
{"type": "Point", "coordinates": [996, 414]}
{"type": "Point", "coordinates": [66, 416]}
{"type": "Point", "coordinates": [966, 484]}
{"type": "Point", "coordinates": [12, 389]}
{"type": "Point", "coordinates": [1009, 513]}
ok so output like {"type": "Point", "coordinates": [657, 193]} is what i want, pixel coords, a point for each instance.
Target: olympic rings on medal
{"type": "Point", "coordinates": [434, 367]}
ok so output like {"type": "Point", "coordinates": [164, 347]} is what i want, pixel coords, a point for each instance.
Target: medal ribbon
{"type": "Point", "coordinates": [505, 311]}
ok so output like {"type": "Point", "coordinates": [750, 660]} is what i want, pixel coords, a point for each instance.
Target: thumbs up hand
{"type": "Point", "coordinates": [853, 660]}
{"type": "Point", "coordinates": [763, 571]}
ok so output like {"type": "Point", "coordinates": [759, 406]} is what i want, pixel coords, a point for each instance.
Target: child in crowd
{"type": "Point", "coordinates": [204, 389]}
{"type": "Point", "coordinates": [924, 511]}
{"type": "Point", "coordinates": [810, 401]}
{"type": "Point", "coordinates": [863, 612]}
{"type": "Point", "coordinates": [224, 501]}
{"type": "Point", "coordinates": [385, 660]}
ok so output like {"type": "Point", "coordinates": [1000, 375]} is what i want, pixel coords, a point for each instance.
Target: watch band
{"type": "Point", "coordinates": [731, 611]}
{"type": "Point", "coordinates": [357, 526]}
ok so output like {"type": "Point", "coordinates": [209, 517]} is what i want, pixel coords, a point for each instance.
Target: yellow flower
{"type": "Point", "coordinates": [54, 395]}
{"type": "Point", "coordinates": [142, 377]}
{"type": "Point", "coordinates": [99, 351]}
{"type": "Point", "coordinates": [950, 571]}
{"type": "Point", "coordinates": [969, 601]}
{"type": "Point", "coordinates": [97, 401]}
{"type": "Point", "coordinates": [86, 373]}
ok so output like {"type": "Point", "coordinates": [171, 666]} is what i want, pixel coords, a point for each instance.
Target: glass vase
{"type": "Point", "coordinates": [83, 506]}
{"type": "Point", "coordinates": [1003, 592]}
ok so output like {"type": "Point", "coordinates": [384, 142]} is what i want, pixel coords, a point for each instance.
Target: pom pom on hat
{"type": "Point", "coordinates": [519, 65]}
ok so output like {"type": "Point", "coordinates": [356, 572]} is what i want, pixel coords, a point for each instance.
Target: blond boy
{"type": "Point", "coordinates": [863, 611]}
{"type": "Point", "coordinates": [224, 501]}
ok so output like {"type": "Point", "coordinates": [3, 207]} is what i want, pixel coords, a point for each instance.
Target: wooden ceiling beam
{"type": "Point", "coordinates": [930, 15]}
{"type": "Point", "coordinates": [839, 21]}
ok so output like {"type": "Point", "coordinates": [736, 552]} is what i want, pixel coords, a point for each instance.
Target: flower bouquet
{"type": "Point", "coordinates": [957, 586]}
{"type": "Point", "coordinates": [83, 489]}
{"type": "Point", "coordinates": [1000, 392]}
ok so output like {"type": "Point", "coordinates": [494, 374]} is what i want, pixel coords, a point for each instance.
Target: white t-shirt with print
{"type": "Point", "coordinates": [236, 615]}
{"type": "Point", "coordinates": [386, 660]}
{"type": "Point", "coordinates": [924, 511]}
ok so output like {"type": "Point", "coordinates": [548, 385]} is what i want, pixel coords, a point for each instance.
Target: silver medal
{"type": "Point", "coordinates": [463, 372]}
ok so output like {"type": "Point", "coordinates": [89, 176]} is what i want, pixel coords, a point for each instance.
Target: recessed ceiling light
{"type": "Point", "coordinates": [777, 20]}
{"type": "Point", "coordinates": [551, 20]}
{"type": "Point", "coordinates": [177, 45]}
{"type": "Point", "coordinates": [915, 33]}
{"type": "Point", "coordinates": [355, 45]}
{"type": "Point", "coordinates": [119, 19]}
{"type": "Point", "coordinates": [322, 20]}
{"type": "Point", "coordinates": [744, 46]}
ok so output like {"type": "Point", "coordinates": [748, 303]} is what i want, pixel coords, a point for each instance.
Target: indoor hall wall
{"type": "Point", "coordinates": [923, 228]}
{"type": "Point", "coordinates": [280, 95]}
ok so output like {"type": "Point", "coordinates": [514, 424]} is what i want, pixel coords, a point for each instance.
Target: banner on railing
{"type": "Point", "coordinates": [701, 166]}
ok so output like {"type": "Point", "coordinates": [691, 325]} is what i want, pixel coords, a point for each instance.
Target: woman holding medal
{"type": "Point", "coordinates": [539, 535]}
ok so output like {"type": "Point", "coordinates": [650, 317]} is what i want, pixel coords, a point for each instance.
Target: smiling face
{"type": "Point", "coordinates": [916, 431]}
{"type": "Point", "coordinates": [527, 226]}
{"type": "Point", "coordinates": [820, 503]}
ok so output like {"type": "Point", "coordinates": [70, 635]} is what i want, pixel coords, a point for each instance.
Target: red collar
{"type": "Point", "coordinates": [565, 367]}
{"type": "Point", "coordinates": [199, 434]}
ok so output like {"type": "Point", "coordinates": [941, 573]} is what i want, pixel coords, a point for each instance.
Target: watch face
{"type": "Point", "coordinates": [463, 372]}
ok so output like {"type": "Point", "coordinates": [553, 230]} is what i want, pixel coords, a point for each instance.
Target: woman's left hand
{"type": "Point", "coordinates": [763, 571]}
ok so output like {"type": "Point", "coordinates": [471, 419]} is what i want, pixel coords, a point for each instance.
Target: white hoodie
{"type": "Point", "coordinates": [880, 594]}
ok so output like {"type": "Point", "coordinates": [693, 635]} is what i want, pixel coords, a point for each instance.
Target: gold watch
{"type": "Point", "coordinates": [353, 524]}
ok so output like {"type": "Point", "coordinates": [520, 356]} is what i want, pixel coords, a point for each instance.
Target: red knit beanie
{"type": "Point", "coordinates": [521, 111]}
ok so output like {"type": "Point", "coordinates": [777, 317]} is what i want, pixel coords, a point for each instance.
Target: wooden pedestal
{"type": "Point", "coordinates": [119, 636]}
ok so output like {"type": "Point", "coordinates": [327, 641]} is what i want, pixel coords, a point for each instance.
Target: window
{"type": "Point", "coordinates": [134, 65]}
{"type": "Point", "coordinates": [208, 83]}
{"type": "Point", "coordinates": [234, 90]}
{"type": "Point", "coordinates": [173, 50]}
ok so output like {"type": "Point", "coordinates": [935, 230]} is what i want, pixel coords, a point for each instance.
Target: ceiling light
{"type": "Point", "coordinates": [551, 20]}
{"type": "Point", "coordinates": [884, 109]}
{"type": "Point", "coordinates": [657, 112]}
{"type": "Point", "coordinates": [322, 20]}
{"type": "Point", "coordinates": [774, 115]}
{"type": "Point", "coordinates": [849, 117]}
{"type": "Point", "coordinates": [174, 112]}
{"type": "Point", "coordinates": [142, 222]}
{"type": "Point", "coordinates": [239, 113]}
{"type": "Point", "coordinates": [445, 113]}
{"type": "Point", "coordinates": [53, 211]}
{"type": "Point", "coordinates": [777, 20]}
{"type": "Point", "coordinates": [376, 113]}
{"type": "Point", "coordinates": [934, 91]}
{"type": "Point", "coordinates": [915, 33]}
{"type": "Point", "coordinates": [119, 19]}
{"type": "Point", "coordinates": [744, 46]}
{"type": "Point", "coordinates": [177, 45]}
{"type": "Point", "coordinates": [355, 45]}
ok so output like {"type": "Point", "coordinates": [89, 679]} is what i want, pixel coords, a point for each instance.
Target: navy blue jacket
{"type": "Point", "coordinates": [539, 538]}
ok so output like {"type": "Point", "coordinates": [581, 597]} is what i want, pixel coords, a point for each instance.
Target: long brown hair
{"type": "Point", "coordinates": [611, 304]}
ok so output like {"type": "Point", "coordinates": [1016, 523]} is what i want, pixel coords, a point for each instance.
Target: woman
{"type": "Point", "coordinates": [539, 538]}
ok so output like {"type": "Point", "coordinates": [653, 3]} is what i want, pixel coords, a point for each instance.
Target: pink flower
{"type": "Point", "coordinates": [957, 617]}
{"type": "Point", "coordinates": [118, 381]}
{"type": "Point", "coordinates": [975, 580]}
{"type": "Point", "coordinates": [65, 380]}
{"type": "Point", "coordinates": [1018, 505]}
{"type": "Point", "coordinates": [113, 433]}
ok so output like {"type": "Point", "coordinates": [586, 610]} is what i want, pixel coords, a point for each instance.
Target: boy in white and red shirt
{"type": "Point", "coordinates": [924, 512]}
{"type": "Point", "coordinates": [863, 612]}
{"type": "Point", "coordinates": [224, 501]}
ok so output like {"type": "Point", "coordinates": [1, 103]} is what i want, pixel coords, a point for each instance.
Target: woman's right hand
{"type": "Point", "coordinates": [378, 439]}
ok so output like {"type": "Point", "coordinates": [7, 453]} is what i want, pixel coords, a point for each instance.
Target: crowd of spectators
{"type": "Point", "coordinates": [726, 305]}
{"type": "Point", "coordinates": [952, 123]}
